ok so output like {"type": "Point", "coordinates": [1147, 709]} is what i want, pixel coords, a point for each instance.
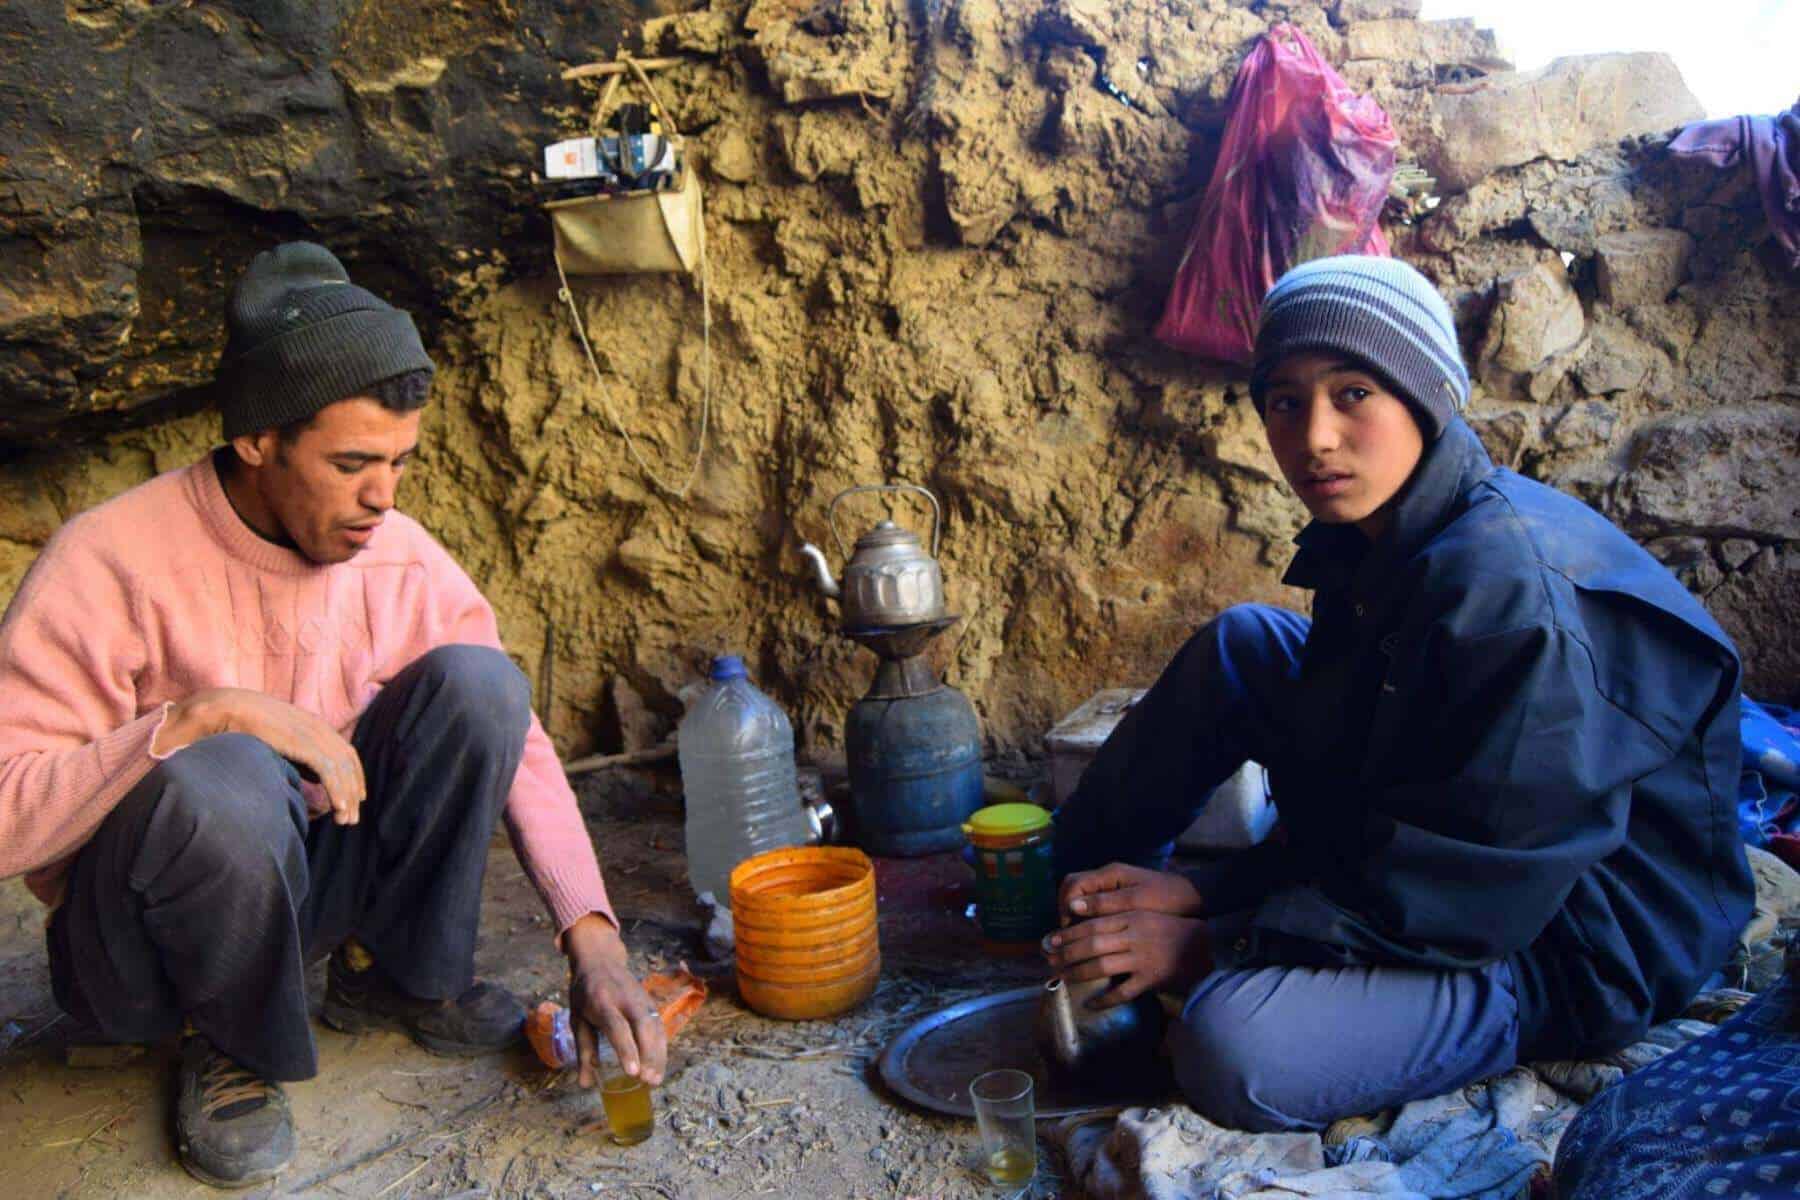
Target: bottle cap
{"type": "Point", "coordinates": [728, 666]}
{"type": "Point", "coordinates": [1007, 820]}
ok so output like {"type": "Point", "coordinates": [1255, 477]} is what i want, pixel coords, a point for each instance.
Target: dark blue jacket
{"type": "Point", "coordinates": [1521, 744]}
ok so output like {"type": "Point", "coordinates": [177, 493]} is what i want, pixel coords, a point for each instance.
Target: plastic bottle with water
{"type": "Point", "coordinates": [736, 749]}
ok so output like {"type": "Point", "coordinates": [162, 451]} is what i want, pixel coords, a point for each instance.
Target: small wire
{"type": "Point", "coordinates": [568, 297]}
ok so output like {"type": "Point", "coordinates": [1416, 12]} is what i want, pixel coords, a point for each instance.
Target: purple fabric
{"type": "Point", "coordinates": [1772, 146]}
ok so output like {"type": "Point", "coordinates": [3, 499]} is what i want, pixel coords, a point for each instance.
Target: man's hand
{"type": "Point", "coordinates": [1119, 888]}
{"type": "Point", "coordinates": [1150, 949]}
{"type": "Point", "coordinates": [604, 997]}
{"type": "Point", "coordinates": [291, 732]}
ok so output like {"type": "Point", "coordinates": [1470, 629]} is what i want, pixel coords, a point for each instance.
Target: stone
{"type": "Point", "coordinates": [1577, 210]}
{"type": "Point", "coordinates": [980, 194]}
{"type": "Point", "coordinates": [1735, 552]}
{"type": "Point", "coordinates": [635, 725]}
{"type": "Point", "coordinates": [1756, 607]}
{"type": "Point", "coordinates": [1493, 203]}
{"type": "Point", "coordinates": [1616, 360]}
{"type": "Point", "coordinates": [1346, 11]}
{"type": "Point", "coordinates": [1777, 895]}
{"type": "Point", "coordinates": [1456, 42]}
{"type": "Point", "coordinates": [814, 146]}
{"type": "Point", "coordinates": [1505, 434]}
{"type": "Point", "coordinates": [1642, 266]}
{"type": "Point", "coordinates": [763, 13]}
{"type": "Point", "coordinates": [1584, 426]}
{"type": "Point", "coordinates": [1679, 552]}
{"type": "Point", "coordinates": [1729, 470]}
{"type": "Point", "coordinates": [702, 32]}
{"type": "Point", "coordinates": [1691, 561]}
{"type": "Point", "coordinates": [858, 54]}
{"type": "Point", "coordinates": [1080, 22]}
{"type": "Point", "coordinates": [1557, 111]}
{"type": "Point", "coordinates": [733, 159]}
{"type": "Point", "coordinates": [716, 1075]}
{"type": "Point", "coordinates": [1536, 316]}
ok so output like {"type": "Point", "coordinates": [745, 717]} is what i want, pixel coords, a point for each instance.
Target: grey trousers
{"type": "Point", "coordinates": [1270, 1047]}
{"type": "Point", "coordinates": [1276, 1047]}
{"type": "Point", "coordinates": [207, 890]}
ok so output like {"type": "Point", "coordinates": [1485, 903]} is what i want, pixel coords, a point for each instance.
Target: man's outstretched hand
{"type": "Point", "coordinates": [606, 998]}
{"type": "Point", "coordinates": [1118, 888]}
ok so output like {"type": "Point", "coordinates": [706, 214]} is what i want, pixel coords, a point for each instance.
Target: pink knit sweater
{"type": "Point", "coordinates": [164, 591]}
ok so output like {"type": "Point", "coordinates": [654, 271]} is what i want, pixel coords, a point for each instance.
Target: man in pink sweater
{"type": "Point", "coordinates": [251, 715]}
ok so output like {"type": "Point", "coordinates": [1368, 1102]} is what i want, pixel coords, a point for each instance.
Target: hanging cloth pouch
{"type": "Point", "coordinates": [635, 233]}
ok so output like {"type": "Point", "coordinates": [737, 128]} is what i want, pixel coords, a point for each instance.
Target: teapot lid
{"type": "Point", "coordinates": [887, 534]}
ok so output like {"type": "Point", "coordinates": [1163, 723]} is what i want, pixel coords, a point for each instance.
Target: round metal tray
{"type": "Point", "coordinates": [932, 1061]}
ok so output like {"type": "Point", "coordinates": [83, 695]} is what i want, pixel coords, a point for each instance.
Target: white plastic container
{"type": "Point", "coordinates": [1239, 814]}
{"type": "Point", "coordinates": [736, 749]}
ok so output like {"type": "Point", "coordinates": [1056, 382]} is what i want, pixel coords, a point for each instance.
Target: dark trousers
{"type": "Point", "coordinates": [205, 893]}
{"type": "Point", "coordinates": [1266, 1047]}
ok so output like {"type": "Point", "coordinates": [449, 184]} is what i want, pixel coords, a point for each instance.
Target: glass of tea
{"type": "Point", "coordinates": [626, 1099]}
{"type": "Point", "coordinates": [1003, 1110]}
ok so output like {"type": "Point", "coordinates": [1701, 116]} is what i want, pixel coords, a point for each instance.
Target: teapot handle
{"type": "Point", "coordinates": [937, 514]}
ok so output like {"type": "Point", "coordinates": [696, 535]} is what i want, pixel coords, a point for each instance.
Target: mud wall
{"type": "Point", "coordinates": [939, 233]}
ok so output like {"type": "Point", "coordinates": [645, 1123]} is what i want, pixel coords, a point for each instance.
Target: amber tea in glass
{"type": "Point", "coordinates": [628, 1114]}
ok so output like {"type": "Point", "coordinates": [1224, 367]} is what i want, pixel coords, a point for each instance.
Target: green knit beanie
{"type": "Point", "coordinates": [300, 336]}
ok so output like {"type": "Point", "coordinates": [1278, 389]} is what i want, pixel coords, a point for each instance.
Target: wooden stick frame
{"type": "Point", "coordinates": [619, 67]}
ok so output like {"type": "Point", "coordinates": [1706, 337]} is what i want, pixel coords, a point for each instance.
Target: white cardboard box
{"type": "Point", "coordinates": [577, 158]}
{"type": "Point", "coordinates": [1239, 814]}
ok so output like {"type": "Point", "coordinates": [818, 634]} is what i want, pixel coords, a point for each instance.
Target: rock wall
{"type": "Point", "coordinates": [939, 232]}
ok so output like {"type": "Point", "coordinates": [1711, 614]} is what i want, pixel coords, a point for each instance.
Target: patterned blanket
{"type": "Point", "coordinates": [1719, 1117]}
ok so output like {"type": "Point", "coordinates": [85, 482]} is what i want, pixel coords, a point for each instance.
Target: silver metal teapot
{"type": "Point", "coordinates": [1077, 1040]}
{"type": "Point", "coordinates": [890, 580]}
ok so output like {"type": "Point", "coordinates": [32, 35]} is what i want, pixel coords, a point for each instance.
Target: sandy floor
{"type": "Point", "coordinates": [752, 1107]}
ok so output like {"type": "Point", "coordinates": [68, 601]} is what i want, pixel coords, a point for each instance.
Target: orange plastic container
{"type": "Point", "coordinates": [823, 970]}
{"type": "Point", "coordinates": [862, 944]}
{"type": "Point", "coordinates": [807, 941]}
{"type": "Point", "coordinates": [809, 1002]}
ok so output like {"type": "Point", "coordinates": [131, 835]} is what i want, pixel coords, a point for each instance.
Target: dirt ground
{"type": "Point", "coordinates": [752, 1107]}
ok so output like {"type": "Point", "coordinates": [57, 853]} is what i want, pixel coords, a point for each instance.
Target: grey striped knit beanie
{"type": "Point", "coordinates": [300, 336]}
{"type": "Point", "coordinates": [1377, 310]}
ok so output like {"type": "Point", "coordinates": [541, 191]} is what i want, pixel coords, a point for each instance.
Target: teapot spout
{"type": "Point", "coordinates": [1059, 1040]}
{"type": "Point", "coordinates": [821, 570]}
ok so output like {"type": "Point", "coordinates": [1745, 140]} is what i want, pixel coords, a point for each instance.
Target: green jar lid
{"type": "Point", "coordinates": [1006, 820]}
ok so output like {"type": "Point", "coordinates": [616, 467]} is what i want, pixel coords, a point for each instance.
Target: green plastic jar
{"type": "Point", "coordinates": [1015, 878]}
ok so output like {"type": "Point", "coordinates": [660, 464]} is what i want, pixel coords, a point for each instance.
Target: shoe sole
{"type": "Point", "coordinates": [230, 1185]}
{"type": "Point", "coordinates": [354, 1021]}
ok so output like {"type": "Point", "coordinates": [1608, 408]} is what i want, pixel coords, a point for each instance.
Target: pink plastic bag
{"type": "Point", "coordinates": [1302, 173]}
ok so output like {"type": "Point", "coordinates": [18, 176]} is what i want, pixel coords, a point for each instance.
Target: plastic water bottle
{"type": "Point", "coordinates": [736, 749]}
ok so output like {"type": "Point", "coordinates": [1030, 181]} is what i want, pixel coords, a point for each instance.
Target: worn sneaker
{"type": "Point", "coordinates": [232, 1127]}
{"type": "Point", "coordinates": [360, 997]}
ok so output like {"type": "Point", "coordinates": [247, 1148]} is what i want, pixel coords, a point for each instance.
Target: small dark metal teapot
{"type": "Point", "coordinates": [1077, 1040]}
